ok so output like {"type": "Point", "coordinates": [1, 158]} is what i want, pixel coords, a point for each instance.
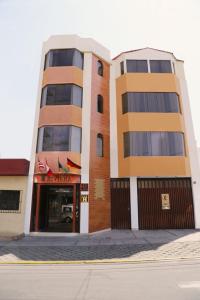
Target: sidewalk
{"type": "Point", "coordinates": [115, 245]}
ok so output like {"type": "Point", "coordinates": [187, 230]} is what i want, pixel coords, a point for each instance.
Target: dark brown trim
{"type": "Point", "coordinates": [14, 167]}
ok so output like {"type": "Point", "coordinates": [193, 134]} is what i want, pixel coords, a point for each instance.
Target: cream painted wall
{"type": "Point", "coordinates": [12, 224]}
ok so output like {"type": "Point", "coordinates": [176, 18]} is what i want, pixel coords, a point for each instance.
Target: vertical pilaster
{"type": "Point", "coordinates": [85, 154]}
{"type": "Point", "coordinates": [134, 202]}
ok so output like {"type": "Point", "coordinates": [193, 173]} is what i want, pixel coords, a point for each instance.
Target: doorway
{"type": "Point", "coordinates": [59, 208]}
{"type": "Point", "coordinates": [120, 203]}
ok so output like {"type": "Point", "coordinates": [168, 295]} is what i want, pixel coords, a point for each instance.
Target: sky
{"type": "Point", "coordinates": [119, 25]}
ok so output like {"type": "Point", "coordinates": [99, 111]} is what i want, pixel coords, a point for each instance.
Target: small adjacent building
{"type": "Point", "coordinates": [13, 188]}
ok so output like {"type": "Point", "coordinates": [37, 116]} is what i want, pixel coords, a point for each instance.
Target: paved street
{"type": "Point", "coordinates": [174, 281]}
{"type": "Point", "coordinates": [111, 245]}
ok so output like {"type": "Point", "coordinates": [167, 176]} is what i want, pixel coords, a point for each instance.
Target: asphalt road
{"type": "Point", "coordinates": [144, 281]}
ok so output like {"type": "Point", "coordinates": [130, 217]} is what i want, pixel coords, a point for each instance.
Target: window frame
{"type": "Point", "coordinates": [144, 96]}
{"type": "Point", "coordinates": [100, 68]}
{"type": "Point", "coordinates": [145, 140]}
{"type": "Point", "coordinates": [61, 49]}
{"type": "Point", "coordinates": [40, 139]}
{"type": "Point", "coordinates": [100, 137]}
{"type": "Point", "coordinates": [137, 65]}
{"type": "Point", "coordinates": [100, 103]}
{"type": "Point", "coordinates": [122, 70]}
{"type": "Point", "coordinates": [17, 211]}
{"type": "Point", "coordinates": [160, 61]}
{"type": "Point", "coordinates": [45, 91]}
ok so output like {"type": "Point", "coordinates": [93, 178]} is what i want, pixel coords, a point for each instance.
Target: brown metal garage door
{"type": "Point", "coordinates": [120, 204]}
{"type": "Point", "coordinates": [165, 203]}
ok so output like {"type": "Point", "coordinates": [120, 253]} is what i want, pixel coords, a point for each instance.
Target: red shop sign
{"type": "Point", "coordinates": [57, 178]}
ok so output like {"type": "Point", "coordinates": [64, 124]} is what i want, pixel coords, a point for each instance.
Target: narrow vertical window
{"type": "Point", "coordinates": [99, 145]}
{"type": "Point", "coordinates": [100, 104]}
{"type": "Point", "coordinates": [99, 68]}
{"type": "Point", "coordinates": [122, 67]}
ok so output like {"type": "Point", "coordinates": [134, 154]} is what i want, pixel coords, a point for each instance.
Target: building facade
{"type": "Point", "coordinates": [152, 143]}
{"type": "Point", "coordinates": [113, 143]}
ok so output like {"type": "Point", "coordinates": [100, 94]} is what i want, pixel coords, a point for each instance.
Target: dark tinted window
{"type": "Point", "coordinates": [99, 145]}
{"type": "Point", "coordinates": [64, 57]}
{"type": "Point", "coordinates": [100, 104]}
{"type": "Point", "coordinates": [160, 66]}
{"type": "Point", "coordinates": [150, 102]}
{"type": "Point", "coordinates": [153, 144]}
{"type": "Point", "coordinates": [137, 66]}
{"type": "Point", "coordinates": [59, 138]}
{"type": "Point", "coordinates": [99, 68]}
{"type": "Point", "coordinates": [9, 200]}
{"type": "Point", "coordinates": [62, 94]}
{"type": "Point", "coordinates": [122, 67]}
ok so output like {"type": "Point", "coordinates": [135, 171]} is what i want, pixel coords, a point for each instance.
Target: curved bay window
{"type": "Point", "coordinates": [100, 104]}
{"type": "Point", "coordinates": [64, 57]}
{"type": "Point", "coordinates": [62, 94]}
{"type": "Point", "coordinates": [150, 102]}
{"type": "Point", "coordinates": [153, 144]}
{"type": "Point", "coordinates": [99, 68]}
{"type": "Point", "coordinates": [99, 145]}
{"type": "Point", "coordinates": [59, 138]}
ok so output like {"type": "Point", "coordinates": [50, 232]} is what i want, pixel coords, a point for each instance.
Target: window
{"type": "Point", "coordinates": [9, 200]}
{"type": "Point", "coordinates": [137, 66]}
{"type": "Point", "coordinates": [100, 104]}
{"type": "Point", "coordinates": [59, 138]}
{"type": "Point", "coordinates": [160, 66]}
{"type": "Point", "coordinates": [62, 94]}
{"type": "Point", "coordinates": [150, 102]}
{"type": "Point", "coordinates": [99, 68]}
{"type": "Point", "coordinates": [64, 57]}
{"type": "Point", "coordinates": [99, 145]}
{"type": "Point", "coordinates": [122, 67]}
{"type": "Point", "coordinates": [153, 144]}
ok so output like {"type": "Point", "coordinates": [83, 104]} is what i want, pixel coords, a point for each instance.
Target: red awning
{"type": "Point", "coordinates": [14, 167]}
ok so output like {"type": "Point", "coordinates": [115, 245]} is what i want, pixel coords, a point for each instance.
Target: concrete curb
{"type": "Point", "coordinates": [109, 261]}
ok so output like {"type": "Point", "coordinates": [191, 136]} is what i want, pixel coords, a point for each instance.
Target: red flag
{"type": "Point", "coordinates": [72, 164]}
{"type": "Point", "coordinates": [49, 171]}
{"type": "Point", "coordinates": [41, 166]}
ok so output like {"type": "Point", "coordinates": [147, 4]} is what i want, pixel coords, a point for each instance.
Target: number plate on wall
{"type": "Point", "coordinates": [165, 201]}
{"type": "Point", "coordinates": [84, 198]}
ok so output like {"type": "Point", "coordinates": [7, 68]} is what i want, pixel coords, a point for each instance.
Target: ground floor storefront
{"type": "Point", "coordinates": [61, 204]}
{"type": "Point", "coordinates": [56, 204]}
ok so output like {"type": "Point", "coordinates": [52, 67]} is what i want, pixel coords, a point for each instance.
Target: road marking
{"type": "Point", "coordinates": [190, 285]}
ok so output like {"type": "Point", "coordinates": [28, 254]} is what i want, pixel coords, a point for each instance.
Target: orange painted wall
{"type": "Point", "coordinates": [60, 115]}
{"type": "Point", "coordinates": [149, 166]}
{"type": "Point", "coordinates": [53, 75]}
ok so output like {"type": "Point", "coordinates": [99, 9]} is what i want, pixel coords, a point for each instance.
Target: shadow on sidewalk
{"type": "Point", "coordinates": [107, 245]}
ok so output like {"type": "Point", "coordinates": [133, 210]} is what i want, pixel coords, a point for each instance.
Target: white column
{"type": "Point", "coordinates": [134, 203]}
{"type": "Point", "coordinates": [33, 150]}
{"type": "Point", "coordinates": [192, 151]}
{"type": "Point", "coordinates": [84, 215]}
{"type": "Point", "coordinates": [85, 154]}
{"type": "Point", "coordinates": [113, 124]}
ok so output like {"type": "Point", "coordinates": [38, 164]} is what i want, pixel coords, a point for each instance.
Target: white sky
{"type": "Point", "coordinates": [120, 25]}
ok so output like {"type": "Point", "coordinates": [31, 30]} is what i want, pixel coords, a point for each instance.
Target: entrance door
{"type": "Point", "coordinates": [165, 203]}
{"type": "Point", "coordinates": [60, 209]}
{"type": "Point", "coordinates": [120, 204]}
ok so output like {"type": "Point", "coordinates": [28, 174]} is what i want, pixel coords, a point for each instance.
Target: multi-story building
{"type": "Point", "coordinates": [113, 143]}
